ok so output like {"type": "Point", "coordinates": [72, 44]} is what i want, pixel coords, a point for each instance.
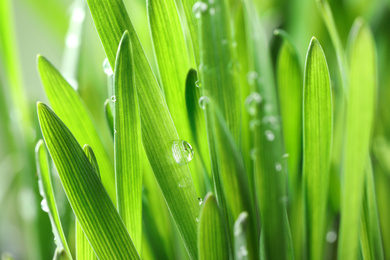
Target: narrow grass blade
{"type": "Point", "coordinates": [241, 237]}
{"type": "Point", "coordinates": [49, 202]}
{"type": "Point", "coordinates": [173, 63]}
{"type": "Point", "coordinates": [158, 130]}
{"type": "Point", "coordinates": [370, 238]}
{"type": "Point", "coordinates": [127, 143]}
{"type": "Point", "coordinates": [192, 23]}
{"type": "Point", "coordinates": [109, 116]}
{"type": "Point", "coordinates": [70, 107]}
{"type": "Point", "coordinates": [84, 250]}
{"type": "Point", "coordinates": [317, 144]}
{"type": "Point", "coordinates": [90, 202]}
{"type": "Point", "coordinates": [360, 116]}
{"type": "Point", "coordinates": [212, 242]}
{"type": "Point", "coordinates": [269, 164]}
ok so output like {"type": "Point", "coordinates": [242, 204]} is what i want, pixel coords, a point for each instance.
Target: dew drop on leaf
{"type": "Point", "coordinates": [107, 68]}
{"type": "Point", "coordinates": [203, 101]}
{"type": "Point", "coordinates": [212, 11]}
{"type": "Point", "coordinates": [199, 8]}
{"type": "Point", "coordinates": [331, 237]}
{"type": "Point", "coordinates": [44, 206]}
{"type": "Point", "coordinates": [113, 98]}
{"type": "Point", "coordinates": [278, 167]}
{"type": "Point", "coordinates": [198, 84]}
{"type": "Point", "coordinates": [200, 201]}
{"type": "Point", "coordinates": [269, 135]}
{"type": "Point", "coordinates": [251, 103]}
{"type": "Point", "coordinates": [182, 152]}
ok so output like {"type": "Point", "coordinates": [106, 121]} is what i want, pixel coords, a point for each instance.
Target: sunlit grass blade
{"type": "Point", "coordinates": [173, 64]}
{"type": "Point", "coordinates": [84, 250]}
{"type": "Point", "coordinates": [289, 78]}
{"type": "Point", "coordinates": [70, 107]}
{"type": "Point", "coordinates": [317, 144]}
{"type": "Point", "coordinates": [109, 116]}
{"type": "Point", "coordinates": [212, 241]}
{"type": "Point", "coordinates": [158, 130]}
{"type": "Point", "coordinates": [192, 23]}
{"type": "Point", "coordinates": [90, 202]}
{"type": "Point", "coordinates": [49, 202]}
{"type": "Point", "coordinates": [269, 164]}
{"type": "Point", "coordinates": [127, 143]}
{"type": "Point", "coordinates": [360, 115]}
{"type": "Point", "coordinates": [370, 238]}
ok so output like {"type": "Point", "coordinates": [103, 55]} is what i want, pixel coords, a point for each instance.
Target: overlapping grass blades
{"type": "Point", "coordinates": [158, 130]}
{"type": "Point", "coordinates": [127, 142]}
{"type": "Point", "coordinates": [360, 115]}
{"type": "Point", "coordinates": [90, 202]}
{"type": "Point", "coordinates": [49, 204]}
{"type": "Point", "coordinates": [317, 141]}
{"type": "Point", "coordinates": [69, 106]}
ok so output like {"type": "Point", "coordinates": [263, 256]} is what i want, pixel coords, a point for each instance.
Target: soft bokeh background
{"type": "Point", "coordinates": [31, 27]}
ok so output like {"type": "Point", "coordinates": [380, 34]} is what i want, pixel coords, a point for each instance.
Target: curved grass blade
{"type": "Point", "coordinates": [90, 202]}
{"type": "Point", "coordinates": [212, 242]}
{"type": "Point", "coordinates": [158, 130]}
{"type": "Point", "coordinates": [70, 107]}
{"type": "Point", "coordinates": [109, 116]}
{"type": "Point", "coordinates": [370, 238]}
{"type": "Point", "coordinates": [241, 236]}
{"type": "Point", "coordinates": [84, 250]}
{"type": "Point", "coordinates": [360, 116]}
{"type": "Point", "coordinates": [46, 190]}
{"type": "Point", "coordinates": [317, 142]}
{"type": "Point", "coordinates": [269, 164]}
{"type": "Point", "coordinates": [127, 143]}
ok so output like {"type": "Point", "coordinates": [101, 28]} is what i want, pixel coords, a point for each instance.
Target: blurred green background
{"type": "Point", "coordinates": [31, 27]}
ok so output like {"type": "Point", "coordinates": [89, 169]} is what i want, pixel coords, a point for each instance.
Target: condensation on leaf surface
{"type": "Point", "coordinates": [182, 152]}
{"type": "Point", "coordinates": [203, 101]}
{"type": "Point", "coordinates": [199, 8]}
{"type": "Point", "coordinates": [107, 68]}
{"type": "Point", "coordinates": [269, 135]}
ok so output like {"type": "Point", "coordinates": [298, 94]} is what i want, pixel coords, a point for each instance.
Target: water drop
{"type": "Point", "coordinates": [198, 84]}
{"type": "Point", "coordinates": [107, 68]}
{"type": "Point", "coordinates": [242, 252]}
{"type": "Point", "coordinates": [269, 135]}
{"type": "Point", "coordinates": [286, 155]}
{"type": "Point", "coordinates": [212, 11]}
{"type": "Point", "coordinates": [253, 124]}
{"type": "Point", "coordinates": [44, 206]}
{"type": "Point", "coordinates": [251, 77]}
{"type": "Point", "coordinates": [200, 201]}
{"type": "Point", "coordinates": [72, 41]}
{"type": "Point", "coordinates": [278, 167]}
{"type": "Point", "coordinates": [113, 98]}
{"type": "Point", "coordinates": [253, 153]}
{"type": "Point", "coordinates": [182, 152]}
{"type": "Point", "coordinates": [199, 8]}
{"type": "Point", "coordinates": [331, 237]}
{"type": "Point", "coordinates": [203, 101]}
{"type": "Point", "coordinates": [251, 103]}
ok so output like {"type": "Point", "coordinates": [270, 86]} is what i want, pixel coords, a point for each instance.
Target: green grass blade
{"type": "Point", "coordinates": [360, 116]}
{"type": "Point", "coordinates": [192, 23]}
{"type": "Point", "coordinates": [84, 250]}
{"type": "Point", "coordinates": [158, 131]}
{"type": "Point", "coordinates": [70, 107]}
{"type": "Point", "coordinates": [109, 116]}
{"type": "Point", "coordinates": [370, 238]}
{"type": "Point", "coordinates": [46, 189]}
{"type": "Point", "coordinates": [269, 164]}
{"type": "Point", "coordinates": [127, 143]}
{"type": "Point", "coordinates": [317, 142]}
{"type": "Point", "coordinates": [90, 202]}
{"type": "Point", "coordinates": [212, 242]}
{"type": "Point", "coordinates": [241, 237]}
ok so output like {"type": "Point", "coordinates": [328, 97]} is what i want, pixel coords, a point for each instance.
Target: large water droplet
{"type": "Point", "coordinates": [251, 103]}
{"type": "Point", "coordinates": [251, 77]}
{"type": "Point", "coordinates": [203, 101]}
{"type": "Point", "coordinates": [107, 67]}
{"type": "Point", "coordinates": [269, 135]}
{"type": "Point", "coordinates": [182, 152]}
{"type": "Point", "coordinates": [199, 8]}
{"type": "Point", "coordinates": [331, 237]}
{"type": "Point", "coordinates": [44, 206]}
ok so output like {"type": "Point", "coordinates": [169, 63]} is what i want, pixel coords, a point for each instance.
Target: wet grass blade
{"type": "Point", "coordinates": [90, 202]}
{"type": "Point", "coordinates": [158, 130]}
{"type": "Point", "coordinates": [46, 189]}
{"type": "Point", "coordinates": [127, 143]}
{"type": "Point", "coordinates": [109, 116]}
{"type": "Point", "coordinates": [212, 242]}
{"type": "Point", "coordinates": [370, 238]}
{"type": "Point", "coordinates": [317, 144]}
{"type": "Point", "coordinates": [360, 115]}
{"type": "Point", "coordinates": [269, 164]}
{"type": "Point", "coordinates": [69, 106]}
{"type": "Point", "coordinates": [84, 250]}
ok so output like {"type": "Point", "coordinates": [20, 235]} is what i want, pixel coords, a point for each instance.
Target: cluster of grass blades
{"type": "Point", "coordinates": [217, 150]}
